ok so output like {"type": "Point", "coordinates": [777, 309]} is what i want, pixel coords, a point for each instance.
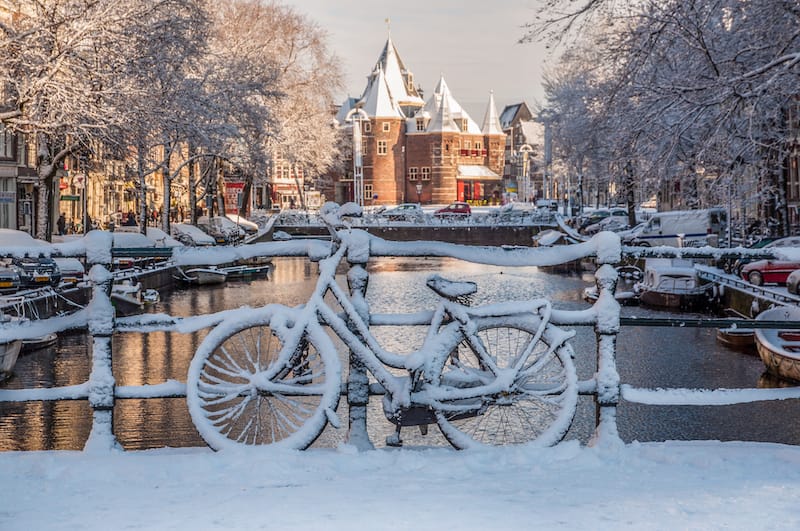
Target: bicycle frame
{"type": "Point", "coordinates": [406, 391]}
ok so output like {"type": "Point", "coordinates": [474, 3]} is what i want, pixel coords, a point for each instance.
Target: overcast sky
{"type": "Point", "coordinates": [472, 42]}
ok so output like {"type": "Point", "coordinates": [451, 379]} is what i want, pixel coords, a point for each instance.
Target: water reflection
{"type": "Point", "coordinates": [647, 357]}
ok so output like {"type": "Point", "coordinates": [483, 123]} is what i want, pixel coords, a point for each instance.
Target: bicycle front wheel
{"type": "Point", "coordinates": [539, 406]}
{"type": "Point", "coordinates": [248, 387]}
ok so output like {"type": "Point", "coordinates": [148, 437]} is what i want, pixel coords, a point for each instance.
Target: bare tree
{"type": "Point", "coordinates": [690, 85]}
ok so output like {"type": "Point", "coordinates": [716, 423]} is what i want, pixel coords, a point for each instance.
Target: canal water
{"type": "Point", "coordinates": [647, 357]}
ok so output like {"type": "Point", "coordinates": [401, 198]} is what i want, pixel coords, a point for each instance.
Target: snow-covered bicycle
{"type": "Point", "coordinates": [490, 375]}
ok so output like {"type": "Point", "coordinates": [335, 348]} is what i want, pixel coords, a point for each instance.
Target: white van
{"type": "Point", "coordinates": [680, 228]}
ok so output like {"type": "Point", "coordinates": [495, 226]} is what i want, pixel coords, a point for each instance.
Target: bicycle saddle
{"type": "Point", "coordinates": [451, 289]}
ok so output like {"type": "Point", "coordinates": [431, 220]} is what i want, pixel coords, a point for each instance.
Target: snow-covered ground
{"type": "Point", "coordinates": [669, 486]}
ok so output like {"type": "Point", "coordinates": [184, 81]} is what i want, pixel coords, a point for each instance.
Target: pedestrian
{"type": "Point", "coordinates": [61, 224]}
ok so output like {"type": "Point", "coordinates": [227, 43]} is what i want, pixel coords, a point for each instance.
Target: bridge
{"type": "Point", "coordinates": [605, 385]}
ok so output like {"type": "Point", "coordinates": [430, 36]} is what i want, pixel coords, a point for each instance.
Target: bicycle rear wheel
{"type": "Point", "coordinates": [247, 387]}
{"type": "Point", "coordinates": [540, 404]}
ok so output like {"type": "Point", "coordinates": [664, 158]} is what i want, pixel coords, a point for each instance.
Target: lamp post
{"type": "Point", "coordinates": [525, 187]}
{"type": "Point", "coordinates": [419, 193]}
{"type": "Point", "coordinates": [355, 117]}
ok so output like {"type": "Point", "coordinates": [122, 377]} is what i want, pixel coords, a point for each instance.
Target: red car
{"type": "Point", "coordinates": [454, 209]}
{"type": "Point", "coordinates": [768, 271]}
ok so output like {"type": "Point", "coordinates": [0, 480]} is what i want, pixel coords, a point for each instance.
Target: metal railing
{"type": "Point", "coordinates": [604, 316]}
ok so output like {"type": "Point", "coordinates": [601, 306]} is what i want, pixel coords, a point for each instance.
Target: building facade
{"type": "Point", "coordinates": [416, 150]}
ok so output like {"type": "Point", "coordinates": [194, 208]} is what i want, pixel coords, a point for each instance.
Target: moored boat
{"type": "Point", "coordinates": [778, 348]}
{"type": "Point", "coordinates": [39, 343]}
{"type": "Point", "coordinates": [247, 270]}
{"type": "Point", "coordinates": [127, 298]}
{"type": "Point", "coordinates": [741, 339]}
{"type": "Point", "coordinates": [9, 352]}
{"type": "Point", "coordinates": [204, 275]}
{"type": "Point", "coordinates": [667, 284]}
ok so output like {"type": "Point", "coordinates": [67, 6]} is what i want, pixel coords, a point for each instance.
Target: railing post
{"type": "Point", "coordinates": [101, 328]}
{"type": "Point", "coordinates": [358, 380]}
{"type": "Point", "coordinates": [607, 377]}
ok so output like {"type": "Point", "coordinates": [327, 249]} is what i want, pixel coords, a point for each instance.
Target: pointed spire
{"type": "Point", "coordinates": [491, 121]}
{"type": "Point", "coordinates": [442, 121]}
{"type": "Point", "coordinates": [398, 78]}
{"type": "Point", "coordinates": [377, 101]}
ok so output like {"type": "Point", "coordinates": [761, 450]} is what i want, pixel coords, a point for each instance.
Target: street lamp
{"type": "Point", "coordinates": [355, 117]}
{"type": "Point", "coordinates": [525, 188]}
{"type": "Point", "coordinates": [419, 193]}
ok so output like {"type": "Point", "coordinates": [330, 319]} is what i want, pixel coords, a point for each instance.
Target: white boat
{"type": "Point", "coordinates": [204, 275]}
{"type": "Point", "coordinates": [127, 298]}
{"type": "Point", "coordinates": [9, 351]}
{"type": "Point", "coordinates": [672, 284]}
{"type": "Point", "coordinates": [779, 349]}
{"type": "Point", "coordinates": [38, 343]}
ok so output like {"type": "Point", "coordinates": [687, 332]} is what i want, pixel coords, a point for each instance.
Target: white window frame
{"type": "Point", "coordinates": [425, 174]}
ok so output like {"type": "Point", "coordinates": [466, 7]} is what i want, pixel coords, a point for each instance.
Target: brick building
{"type": "Point", "coordinates": [429, 151]}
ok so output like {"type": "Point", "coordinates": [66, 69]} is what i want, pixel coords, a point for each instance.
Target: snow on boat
{"type": "Point", "coordinates": [203, 275]}
{"type": "Point", "coordinates": [9, 352]}
{"type": "Point", "coordinates": [127, 298]}
{"type": "Point", "coordinates": [779, 349]}
{"type": "Point", "coordinates": [39, 343]}
{"type": "Point", "coordinates": [741, 339]}
{"type": "Point", "coordinates": [672, 284]}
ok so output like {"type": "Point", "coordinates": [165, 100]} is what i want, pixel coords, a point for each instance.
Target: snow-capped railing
{"type": "Point", "coordinates": [101, 390]}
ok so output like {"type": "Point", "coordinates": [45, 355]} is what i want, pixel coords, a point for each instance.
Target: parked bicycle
{"type": "Point", "coordinates": [495, 374]}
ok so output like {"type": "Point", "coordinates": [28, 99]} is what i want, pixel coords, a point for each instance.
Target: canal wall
{"type": "Point", "coordinates": [493, 235]}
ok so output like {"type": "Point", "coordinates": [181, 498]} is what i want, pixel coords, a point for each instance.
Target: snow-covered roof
{"type": "Point", "coordinates": [348, 105]}
{"type": "Point", "coordinates": [442, 105]}
{"type": "Point", "coordinates": [533, 132]}
{"type": "Point", "coordinates": [442, 120]}
{"type": "Point", "coordinates": [397, 75]}
{"type": "Point", "coordinates": [377, 101]}
{"type": "Point", "coordinates": [476, 172]}
{"type": "Point", "coordinates": [491, 124]}
{"type": "Point", "coordinates": [508, 114]}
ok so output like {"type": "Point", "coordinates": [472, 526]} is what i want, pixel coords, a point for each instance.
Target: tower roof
{"type": "Point", "coordinates": [442, 120]}
{"type": "Point", "coordinates": [377, 101]}
{"type": "Point", "coordinates": [491, 123]}
{"type": "Point", "coordinates": [398, 78]}
{"type": "Point", "coordinates": [442, 97]}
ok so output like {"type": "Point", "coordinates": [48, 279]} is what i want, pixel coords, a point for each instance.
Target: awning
{"type": "Point", "coordinates": [474, 172]}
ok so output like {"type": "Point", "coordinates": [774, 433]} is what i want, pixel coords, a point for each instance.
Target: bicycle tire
{"type": "Point", "coordinates": [228, 376]}
{"type": "Point", "coordinates": [540, 406]}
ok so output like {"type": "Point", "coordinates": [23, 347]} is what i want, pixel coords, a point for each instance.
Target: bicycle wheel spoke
{"type": "Point", "coordinates": [250, 389]}
{"type": "Point", "coordinates": [537, 407]}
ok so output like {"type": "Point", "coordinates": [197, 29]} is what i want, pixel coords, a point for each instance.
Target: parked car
{"type": "Point", "coordinates": [403, 212]}
{"type": "Point", "coordinates": [596, 216]}
{"type": "Point", "coordinates": [613, 223]}
{"type": "Point", "coordinates": [246, 225]}
{"type": "Point", "coordinates": [9, 277]}
{"type": "Point", "coordinates": [72, 270]}
{"type": "Point", "coordinates": [763, 272]}
{"type": "Point", "coordinates": [223, 230]}
{"type": "Point", "coordinates": [190, 235]}
{"type": "Point", "coordinates": [37, 271]}
{"type": "Point", "coordinates": [793, 282]}
{"type": "Point", "coordinates": [457, 209]}
{"type": "Point", "coordinates": [764, 243]}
